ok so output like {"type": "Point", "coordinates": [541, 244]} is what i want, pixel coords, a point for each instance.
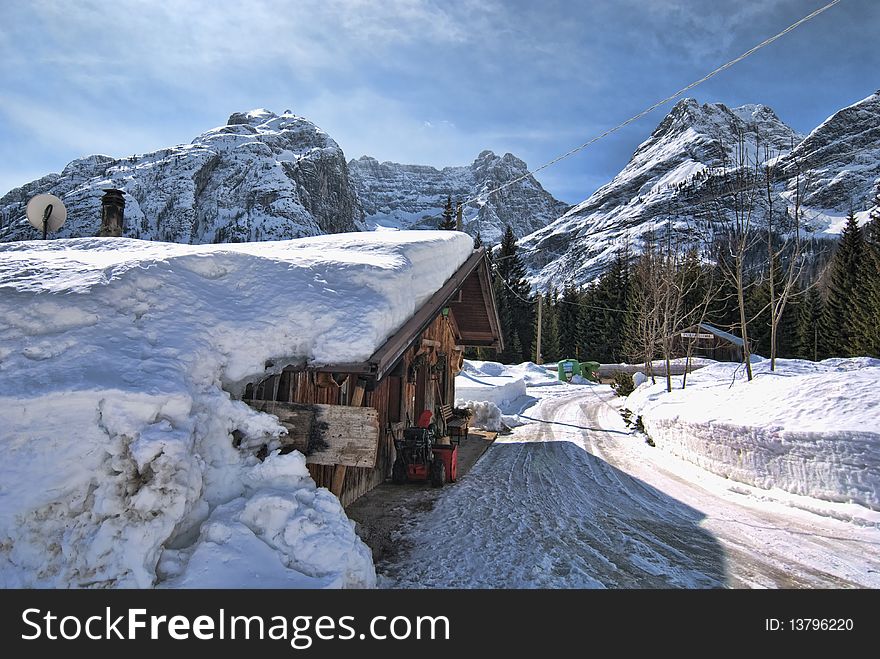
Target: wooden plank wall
{"type": "Point", "coordinates": [311, 387]}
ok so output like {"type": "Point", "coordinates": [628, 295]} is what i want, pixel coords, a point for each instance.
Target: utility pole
{"type": "Point", "coordinates": [458, 219]}
{"type": "Point", "coordinates": [538, 359]}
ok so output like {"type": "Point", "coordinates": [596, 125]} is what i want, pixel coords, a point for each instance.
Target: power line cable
{"type": "Point", "coordinates": [656, 105]}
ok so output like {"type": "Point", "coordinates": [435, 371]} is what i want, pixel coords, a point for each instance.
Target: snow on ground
{"type": "Point", "coordinates": [574, 498]}
{"type": "Point", "coordinates": [808, 428]}
{"type": "Point", "coordinates": [496, 393]}
{"type": "Point", "coordinates": [539, 511]}
{"type": "Point", "coordinates": [116, 427]}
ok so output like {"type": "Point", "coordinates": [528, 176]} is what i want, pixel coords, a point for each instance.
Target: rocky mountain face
{"type": "Point", "coordinates": [673, 178]}
{"type": "Point", "coordinates": [841, 159]}
{"type": "Point", "coordinates": [266, 177]}
{"type": "Point", "coordinates": [413, 196]}
{"type": "Point", "coordinates": [260, 177]}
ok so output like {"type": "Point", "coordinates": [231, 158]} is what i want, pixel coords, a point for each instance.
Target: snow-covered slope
{"type": "Point", "coordinates": [116, 426]}
{"type": "Point", "coordinates": [412, 196]}
{"type": "Point", "coordinates": [260, 177]}
{"type": "Point", "coordinates": [667, 180]}
{"type": "Point", "coordinates": [842, 159]}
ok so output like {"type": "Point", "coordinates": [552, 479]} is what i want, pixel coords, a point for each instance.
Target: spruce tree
{"type": "Point", "coordinates": [550, 327]}
{"type": "Point", "coordinates": [447, 223]}
{"type": "Point", "coordinates": [788, 330]}
{"type": "Point", "coordinates": [872, 276]}
{"type": "Point", "coordinates": [843, 327]}
{"type": "Point", "coordinates": [569, 323]}
{"type": "Point", "coordinates": [809, 314]}
{"type": "Point", "coordinates": [604, 317]}
{"type": "Point", "coordinates": [593, 328]}
{"type": "Point", "coordinates": [510, 272]}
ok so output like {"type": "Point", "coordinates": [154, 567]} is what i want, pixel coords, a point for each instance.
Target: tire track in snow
{"type": "Point", "coordinates": [540, 511]}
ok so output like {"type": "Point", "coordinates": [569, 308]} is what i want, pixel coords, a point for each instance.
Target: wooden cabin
{"type": "Point", "coordinates": [709, 341]}
{"type": "Point", "coordinates": [344, 417]}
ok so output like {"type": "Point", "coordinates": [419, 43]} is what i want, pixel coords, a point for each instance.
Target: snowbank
{"type": "Point", "coordinates": [486, 414]}
{"type": "Point", "coordinates": [499, 383]}
{"type": "Point", "coordinates": [116, 427]}
{"type": "Point", "coordinates": [807, 428]}
{"type": "Point", "coordinates": [500, 390]}
{"type": "Point", "coordinates": [497, 392]}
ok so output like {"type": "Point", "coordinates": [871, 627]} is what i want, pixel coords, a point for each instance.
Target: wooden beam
{"type": "Point", "coordinates": [338, 480]}
{"type": "Point", "coordinates": [357, 396]}
{"type": "Point", "coordinates": [328, 434]}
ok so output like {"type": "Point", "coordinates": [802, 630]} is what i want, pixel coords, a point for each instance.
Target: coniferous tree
{"type": "Point", "coordinates": [478, 241]}
{"type": "Point", "coordinates": [569, 323]}
{"type": "Point", "coordinates": [550, 329]}
{"type": "Point", "coordinates": [843, 327]}
{"type": "Point", "coordinates": [510, 272]}
{"type": "Point", "coordinates": [447, 222]}
{"type": "Point", "coordinates": [787, 333]}
{"type": "Point", "coordinates": [758, 311]}
{"type": "Point", "coordinates": [593, 331]}
{"type": "Point", "coordinates": [723, 312]}
{"type": "Point", "coordinates": [806, 343]}
{"type": "Point", "coordinates": [604, 317]}
{"type": "Point", "coordinates": [872, 276]}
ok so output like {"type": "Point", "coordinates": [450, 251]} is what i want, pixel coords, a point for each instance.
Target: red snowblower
{"type": "Point", "coordinates": [420, 457]}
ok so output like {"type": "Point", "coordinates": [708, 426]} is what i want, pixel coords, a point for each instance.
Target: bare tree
{"type": "Point", "coordinates": [790, 247]}
{"type": "Point", "coordinates": [698, 308]}
{"type": "Point", "coordinates": [735, 201]}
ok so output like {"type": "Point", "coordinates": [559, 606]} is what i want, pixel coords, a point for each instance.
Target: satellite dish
{"type": "Point", "coordinates": [46, 212]}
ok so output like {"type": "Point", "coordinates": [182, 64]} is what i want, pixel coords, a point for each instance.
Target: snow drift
{"type": "Point", "coordinates": [496, 392]}
{"type": "Point", "coordinates": [807, 428]}
{"type": "Point", "coordinates": [116, 425]}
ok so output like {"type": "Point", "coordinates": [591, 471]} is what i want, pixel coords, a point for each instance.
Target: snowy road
{"type": "Point", "coordinates": [568, 504]}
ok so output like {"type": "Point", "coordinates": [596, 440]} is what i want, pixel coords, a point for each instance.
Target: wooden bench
{"type": "Point", "coordinates": [456, 426]}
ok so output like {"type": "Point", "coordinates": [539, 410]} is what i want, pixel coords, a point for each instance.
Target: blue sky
{"type": "Point", "coordinates": [414, 81]}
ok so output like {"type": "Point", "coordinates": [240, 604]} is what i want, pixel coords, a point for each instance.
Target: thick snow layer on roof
{"type": "Point", "coordinates": [116, 356]}
{"type": "Point", "coordinates": [808, 428]}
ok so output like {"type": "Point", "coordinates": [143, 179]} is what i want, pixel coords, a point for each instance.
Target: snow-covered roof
{"type": "Point", "coordinates": [322, 300]}
{"type": "Point", "coordinates": [114, 357]}
{"type": "Point", "coordinates": [721, 334]}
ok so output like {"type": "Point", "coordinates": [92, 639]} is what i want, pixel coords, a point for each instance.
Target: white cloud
{"type": "Point", "coordinates": [79, 130]}
{"type": "Point", "coordinates": [368, 123]}
{"type": "Point", "coordinates": [184, 41]}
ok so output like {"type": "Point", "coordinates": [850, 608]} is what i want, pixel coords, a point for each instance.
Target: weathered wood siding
{"type": "Point", "coordinates": [419, 363]}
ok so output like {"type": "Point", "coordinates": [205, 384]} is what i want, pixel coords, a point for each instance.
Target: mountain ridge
{"type": "Point", "coordinates": [667, 182]}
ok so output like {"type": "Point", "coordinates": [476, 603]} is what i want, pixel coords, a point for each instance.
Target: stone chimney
{"type": "Point", "coordinates": [112, 212]}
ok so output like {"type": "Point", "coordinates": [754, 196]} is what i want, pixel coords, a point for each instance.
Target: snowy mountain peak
{"type": "Point", "coordinates": [722, 124]}
{"type": "Point", "coordinates": [88, 166]}
{"type": "Point", "coordinates": [251, 117]}
{"type": "Point", "coordinates": [508, 160]}
{"type": "Point", "coordinates": [665, 181]}
{"type": "Point", "coordinates": [842, 156]}
{"type": "Point", "coordinates": [413, 196]}
{"type": "Point", "coordinates": [261, 176]}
